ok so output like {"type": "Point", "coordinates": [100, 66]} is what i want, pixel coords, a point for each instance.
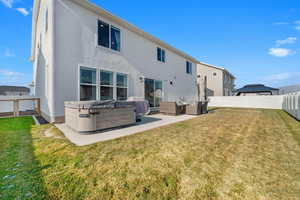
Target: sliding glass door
{"type": "Point", "coordinates": [153, 92]}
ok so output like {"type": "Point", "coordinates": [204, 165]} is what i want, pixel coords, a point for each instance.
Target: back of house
{"type": "Point", "coordinates": [81, 52]}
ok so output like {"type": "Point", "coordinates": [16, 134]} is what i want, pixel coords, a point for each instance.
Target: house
{"type": "Point", "coordinates": [82, 52]}
{"type": "Point", "coordinates": [219, 81]}
{"type": "Point", "coordinates": [289, 89]}
{"type": "Point", "coordinates": [256, 89]}
{"type": "Point", "coordinates": [14, 91]}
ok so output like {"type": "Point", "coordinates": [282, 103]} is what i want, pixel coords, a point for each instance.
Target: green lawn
{"type": "Point", "coordinates": [229, 154]}
{"type": "Point", "coordinates": [20, 176]}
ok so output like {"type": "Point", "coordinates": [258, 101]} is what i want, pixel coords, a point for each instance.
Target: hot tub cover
{"type": "Point", "coordinates": [96, 104]}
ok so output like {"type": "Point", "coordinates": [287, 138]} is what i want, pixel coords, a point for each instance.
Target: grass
{"type": "Point", "coordinates": [229, 154]}
{"type": "Point", "coordinates": [19, 170]}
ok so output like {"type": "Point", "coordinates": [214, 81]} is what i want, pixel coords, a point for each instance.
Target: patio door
{"type": "Point", "coordinates": [153, 92]}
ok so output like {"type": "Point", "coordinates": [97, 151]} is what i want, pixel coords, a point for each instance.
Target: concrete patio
{"type": "Point", "coordinates": [149, 122]}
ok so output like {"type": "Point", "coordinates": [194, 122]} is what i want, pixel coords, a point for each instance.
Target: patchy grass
{"type": "Point", "coordinates": [19, 170]}
{"type": "Point", "coordinates": [229, 154]}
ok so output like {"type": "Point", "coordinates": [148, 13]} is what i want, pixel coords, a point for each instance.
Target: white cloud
{"type": "Point", "coordinates": [23, 11]}
{"type": "Point", "coordinates": [8, 3]}
{"type": "Point", "coordinates": [10, 77]}
{"type": "Point", "coordinates": [280, 52]}
{"type": "Point", "coordinates": [289, 40]}
{"type": "Point", "coordinates": [8, 53]}
{"type": "Point", "coordinates": [5, 72]}
{"type": "Point", "coordinates": [281, 23]}
{"type": "Point", "coordinates": [279, 77]}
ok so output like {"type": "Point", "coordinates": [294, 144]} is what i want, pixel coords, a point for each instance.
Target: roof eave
{"type": "Point", "coordinates": [219, 68]}
{"type": "Point", "coordinates": [100, 11]}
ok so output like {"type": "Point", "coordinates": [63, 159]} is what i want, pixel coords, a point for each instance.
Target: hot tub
{"type": "Point", "coordinates": [90, 116]}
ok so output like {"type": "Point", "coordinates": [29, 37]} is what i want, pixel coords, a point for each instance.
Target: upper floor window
{"type": "Point", "coordinates": [189, 67]}
{"type": "Point", "coordinates": [215, 74]}
{"type": "Point", "coordinates": [103, 34]}
{"type": "Point", "coordinates": [109, 36]}
{"type": "Point", "coordinates": [46, 20]}
{"type": "Point", "coordinates": [115, 38]}
{"type": "Point", "coordinates": [161, 55]}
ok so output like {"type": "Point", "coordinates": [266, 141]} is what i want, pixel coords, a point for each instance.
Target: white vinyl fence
{"type": "Point", "coordinates": [267, 102]}
{"type": "Point", "coordinates": [291, 104]}
{"type": "Point", "coordinates": [17, 104]}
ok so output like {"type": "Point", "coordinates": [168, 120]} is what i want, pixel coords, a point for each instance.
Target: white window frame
{"type": "Point", "coordinates": [98, 82]}
{"type": "Point", "coordinates": [190, 67]}
{"type": "Point", "coordinates": [79, 83]}
{"type": "Point", "coordinates": [160, 61]}
{"type": "Point", "coordinates": [46, 20]}
{"type": "Point", "coordinates": [116, 28]}
{"type": "Point", "coordinates": [109, 37]}
{"type": "Point", "coordinates": [127, 84]}
{"type": "Point", "coordinates": [162, 90]}
{"type": "Point", "coordinates": [110, 86]}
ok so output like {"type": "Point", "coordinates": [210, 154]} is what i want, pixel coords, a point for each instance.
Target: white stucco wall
{"type": "Point", "coordinates": [214, 83]}
{"type": "Point", "coordinates": [267, 102]}
{"type": "Point", "coordinates": [43, 63]}
{"type": "Point", "coordinates": [76, 44]}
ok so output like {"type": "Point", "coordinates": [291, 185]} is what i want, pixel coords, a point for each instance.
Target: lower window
{"type": "Point", "coordinates": [106, 93]}
{"type": "Point", "coordinates": [122, 94]}
{"type": "Point", "coordinates": [87, 93]}
{"type": "Point", "coordinates": [96, 84]}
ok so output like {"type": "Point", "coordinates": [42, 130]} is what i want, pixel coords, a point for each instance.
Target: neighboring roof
{"type": "Point", "coordinates": [255, 88]}
{"type": "Point", "coordinates": [289, 89]}
{"type": "Point", "coordinates": [219, 68]}
{"type": "Point", "coordinates": [4, 89]}
{"type": "Point", "coordinates": [100, 11]}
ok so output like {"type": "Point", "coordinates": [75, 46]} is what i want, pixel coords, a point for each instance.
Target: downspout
{"type": "Point", "coordinates": [52, 69]}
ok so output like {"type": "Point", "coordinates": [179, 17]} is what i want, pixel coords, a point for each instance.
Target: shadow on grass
{"type": "Point", "coordinates": [20, 171]}
{"type": "Point", "coordinates": [213, 109]}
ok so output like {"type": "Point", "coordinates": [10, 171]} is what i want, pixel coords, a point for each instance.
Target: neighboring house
{"type": "Point", "coordinates": [82, 52]}
{"type": "Point", "coordinates": [219, 81]}
{"type": "Point", "coordinates": [256, 89]}
{"type": "Point", "coordinates": [289, 89]}
{"type": "Point", "coordinates": [14, 91]}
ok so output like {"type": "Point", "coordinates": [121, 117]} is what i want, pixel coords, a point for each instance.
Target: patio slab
{"type": "Point", "coordinates": [149, 122]}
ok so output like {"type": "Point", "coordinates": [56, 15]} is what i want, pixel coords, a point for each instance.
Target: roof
{"type": "Point", "coordinates": [99, 11]}
{"type": "Point", "coordinates": [219, 68]}
{"type": "Point", "coordinates": [4, 89]}
{"type": "Point", "coordinates": [289, 89]}
{"type": "Point", "coordinates": [255, 88]}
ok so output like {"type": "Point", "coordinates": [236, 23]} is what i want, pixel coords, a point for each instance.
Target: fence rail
{"type": "Point", "coordinates": [18, 106]}
{"type": "Point", "coordinates": [291, 104]}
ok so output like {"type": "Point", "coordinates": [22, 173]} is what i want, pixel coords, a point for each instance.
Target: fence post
{"type": "Point", "coordinates": [298, 107]}
{"type": "Point", "coordinates": [38, 106]}
{"type": "Point", "coordinates": [16, 108]}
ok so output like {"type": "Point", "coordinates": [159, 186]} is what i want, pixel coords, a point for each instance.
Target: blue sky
{"type": "Point", "coordinates": [257, 40]}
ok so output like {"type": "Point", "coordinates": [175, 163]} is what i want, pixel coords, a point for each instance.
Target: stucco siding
{"type": "Point", "coordinates": [214, 82]}
{"type": "Point", "coordinates": [42, 64]}
{"type": "Point", "coordinates": [76, 44]}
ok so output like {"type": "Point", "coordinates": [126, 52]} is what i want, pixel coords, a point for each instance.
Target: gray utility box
{"type": "Point", "coordinates": [93, 116]}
